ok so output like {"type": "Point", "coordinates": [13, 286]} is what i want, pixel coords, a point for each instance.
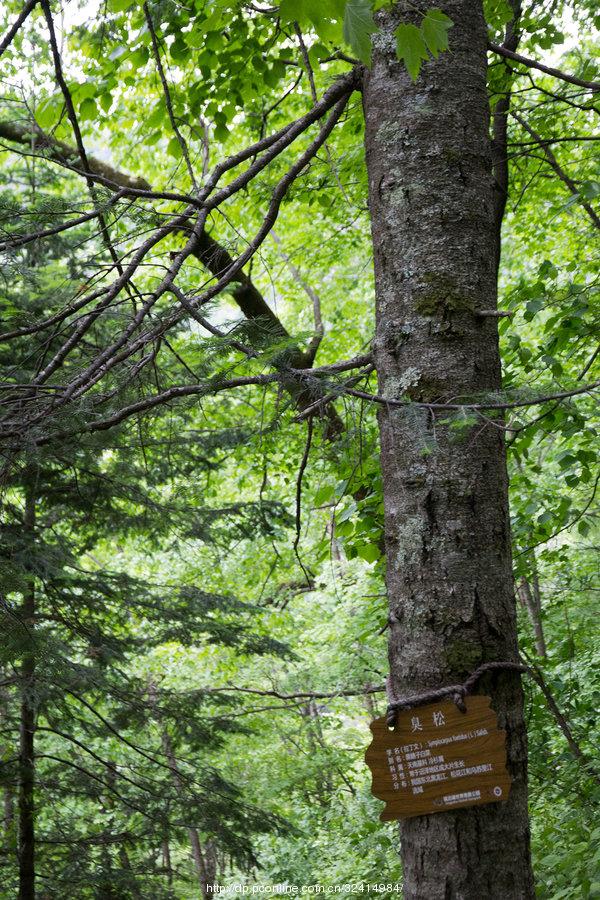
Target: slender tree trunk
{"type": "Point", "coordinates": [532, 601]}
{"type": "Point", "coordinates": [8, 794]}
{"type": "Point", "coordinates": [127, 867]}
{"type": "Point", "coordinates": [316, 743]}
{"type": "Point", "coordinates": [538, 624]}
{"type": "Point", "coordinates": [203, 869]}
{"type": "Point", "coordinates": [9, 813]}
{"type": "Point", "coordinates": [26, 848]}
{"type": "Point", "coordinates": [449, 574]}
{"type": "Point", "coordinates": [166, 854]}
{"type": "Point", "coordinates": [369, 702]}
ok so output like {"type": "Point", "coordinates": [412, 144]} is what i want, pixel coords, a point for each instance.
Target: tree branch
{"type": "Point", "coordinates": [548, 70]}
{"type": "Point", "coordinates": [553, 162]}
{"type": "Point", "coordinates": [12, 31]}
{"type": "Point", "coordinates": [209, 251]}
{"type": "Point", "coordinates": [563, 395]}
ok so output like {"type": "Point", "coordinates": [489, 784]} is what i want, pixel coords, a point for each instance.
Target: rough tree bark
{"type": "Point", "coordinates": [449, 575]}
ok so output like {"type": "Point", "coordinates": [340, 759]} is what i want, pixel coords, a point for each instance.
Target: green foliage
{"type": "Point", "coordinates": [411, 48]}
{"type": "Point", "coordinates": [414, 43]}
{"type": "Point", "coordinates": [435, 27]}
{"type": "Point", "coordinates": [358, 28]}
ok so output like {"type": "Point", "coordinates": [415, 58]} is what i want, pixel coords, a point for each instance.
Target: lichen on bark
{"type": "Point", "coordinates": [449, 575]}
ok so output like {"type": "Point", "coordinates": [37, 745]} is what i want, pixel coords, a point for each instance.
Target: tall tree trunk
{"type": "Point", "coordinates": [447, 535]}
{"type": "Point", "coordinates": [26, 848]}
{"type": "Point", "coordinates": [316, 743]}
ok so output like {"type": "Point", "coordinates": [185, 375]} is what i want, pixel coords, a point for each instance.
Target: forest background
{"type": "Point", "coordinates": [192, 594]}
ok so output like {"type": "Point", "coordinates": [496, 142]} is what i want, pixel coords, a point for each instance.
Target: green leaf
{"type": "Point", "coordinates": [221, 132]}
{"type": "Point", "coordinates": [369, 552]}
{"type": "Point", "coordinates": [548, 270]}
{"type": "Point", "coordinates": [590, 189]}
{"type": "Point", "coordinates": [410, 48]}
{"type": "Point", "coordinates": [106, 101]}
{"type": "Point", "coordinates": [47, 112]}
{"type": "Point", "coordinates": [174, 148]}
{"type": "Point", "coordinates": [435, 28]}
{"type": "Point", "coordinates": [497, 13]}
{"type": "Point", "coordinates": [88, 111]}
{"type": "Point", "coordinates": [359, 25]}
{"type": "Point", "coordinates": [324, 495]}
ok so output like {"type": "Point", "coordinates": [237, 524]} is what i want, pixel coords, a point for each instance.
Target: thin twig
{"type": "Point", "coordinates": [165, 86]}
{"type": "Point", "coordinates": [562, 723]}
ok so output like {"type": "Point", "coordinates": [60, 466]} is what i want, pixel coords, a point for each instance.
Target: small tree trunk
{"type": "Point", "coordinates": [8, 794]}
{"type": "Point", "coordinates": [448, 561]}
{"type": "Point", "coordinates": [9, 813]}
{"type": "Point", "coordinates": [26, 849]}
{"type": "Point", "coordinates": [27, 778]}
{"type": "Point", "coordinates": [126, 866]}
{"type": "Point", "coordinates": [166, 854]}
{"type": "Point", "coordinates": [314, 735]}
{"type": "Point", "coordinates": [202, 870]}
{"type": "Point", "coordinates": [532, 601]}
{"type": "Point", "coordinates": [369, 702]}
{"type": "Point", "coordinates": [538, 625]}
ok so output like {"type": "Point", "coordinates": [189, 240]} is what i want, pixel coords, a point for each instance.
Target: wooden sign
{"type": "Point", "coordinates": [438, 758]}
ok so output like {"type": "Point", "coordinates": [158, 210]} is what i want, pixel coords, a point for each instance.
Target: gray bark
{"type": "Point", "coordinates": [447, 535]}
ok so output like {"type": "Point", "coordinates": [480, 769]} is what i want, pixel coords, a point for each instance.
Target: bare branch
{"type": "Point", "coordinates": [12, 31]}
{"type": "Point", "coordinates": [555, 165]}
{"type": "Point", "coordinates": [516, 404]}
{"type": "Point", "coordinates": [77, 132]}
{"type": "Point", "coordinates": [562, 723]}
{"type": "Point", "coordinates": [303, 695]}
{"type": "Point", "coordinates": [548, 70]}
{"type": "Point", "coordinates": [107, 360]}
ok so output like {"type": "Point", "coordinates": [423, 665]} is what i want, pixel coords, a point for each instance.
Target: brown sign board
{"type": "Point", "coordinates": [437, 758]}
